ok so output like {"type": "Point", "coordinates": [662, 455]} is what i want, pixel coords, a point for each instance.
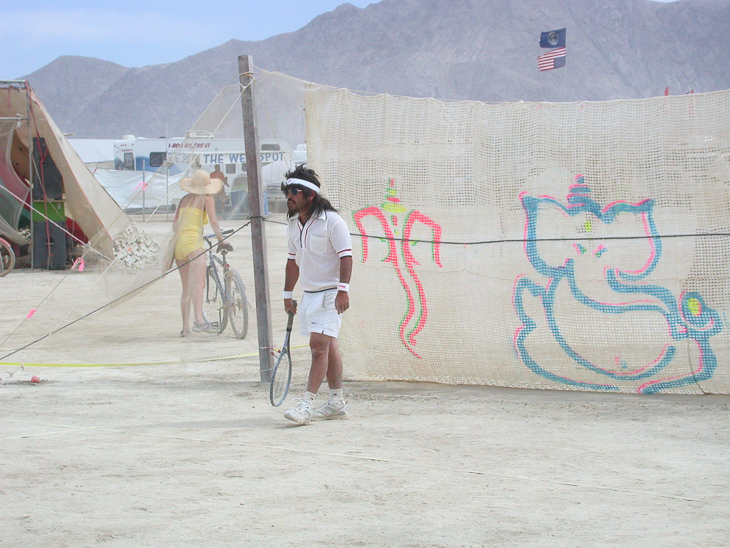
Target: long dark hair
{"type": "Point", "coordinates": [320, 203]}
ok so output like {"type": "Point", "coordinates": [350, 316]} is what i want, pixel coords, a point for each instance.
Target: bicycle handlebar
{"type": "Point", "coordinates": [209, 236]}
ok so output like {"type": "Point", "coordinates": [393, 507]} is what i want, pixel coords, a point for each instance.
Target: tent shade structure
{"type": "Point", "coordinates": [44, 184]}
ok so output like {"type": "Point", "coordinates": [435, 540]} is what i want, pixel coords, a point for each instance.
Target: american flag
{"type": "Point", "coordinates": [555, 58]}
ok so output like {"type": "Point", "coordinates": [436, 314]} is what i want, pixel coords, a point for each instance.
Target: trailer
{"type": "Point", "coordinates": [175, 156]}
{"type": "Point", "coordinates": [201, 151]}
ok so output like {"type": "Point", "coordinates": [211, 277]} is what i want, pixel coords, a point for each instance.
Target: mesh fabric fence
{"type": "Point", "coordinates": [536, 245]}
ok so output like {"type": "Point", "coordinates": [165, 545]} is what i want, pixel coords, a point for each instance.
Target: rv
{"type": "Point", "coordinates": [202, 151]}
{"type": "Point", "coordinates": [142, 154]}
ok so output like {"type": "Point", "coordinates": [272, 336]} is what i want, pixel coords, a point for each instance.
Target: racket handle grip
{"type": "Point", "coordinates": [290, 321]}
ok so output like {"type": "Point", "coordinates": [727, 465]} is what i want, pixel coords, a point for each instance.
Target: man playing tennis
{"type": "Point", "coordinates": [320, 257]}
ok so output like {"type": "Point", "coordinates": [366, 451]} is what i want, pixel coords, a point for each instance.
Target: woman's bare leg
{"type": "Point", "coordinates": [185, 299]}
{"type": "Point", "coordinates": [196, 280]}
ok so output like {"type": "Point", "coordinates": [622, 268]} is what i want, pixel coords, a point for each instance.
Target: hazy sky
{"type": "Point", "coordinates": [135, 33]}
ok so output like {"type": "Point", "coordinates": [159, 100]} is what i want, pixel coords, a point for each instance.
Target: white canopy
{"type": "Point", "coordinates": [130, 191]}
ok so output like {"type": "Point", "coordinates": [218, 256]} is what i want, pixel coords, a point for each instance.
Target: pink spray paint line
{"type": "Point", "coordinates": [617, 359]}
{"type": "Point", "coordinates": [142, 185]}
{"type": "Point", "coordinates": [30, 314]}
{"type": "Point", "coordinates": [410, 261]}
{"type": "Point", "coordinates": [392, 258]}
{"type": "Point", "coordinates": [697, 371]}
{"type": "Point", "coordinates": [514, 286]}
{"type": "Point", "coordinates": [514, 338]}
{"type": "Point", "coordinates": [652, 254]}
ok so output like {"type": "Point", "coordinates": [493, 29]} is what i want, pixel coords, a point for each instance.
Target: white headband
{"type": "Point", "coordinates": [302, 182]}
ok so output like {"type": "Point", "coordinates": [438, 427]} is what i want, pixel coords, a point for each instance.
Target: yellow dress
{"type": "Point", "coordinates": [191, 221]}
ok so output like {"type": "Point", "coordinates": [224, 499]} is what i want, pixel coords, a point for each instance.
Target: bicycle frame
{"type": "Point", "coordinates": [212, 260]}
{"type": "Point", "coordinates": [214, 277]}
{"type": "Point", "coordinates": [228, 292]}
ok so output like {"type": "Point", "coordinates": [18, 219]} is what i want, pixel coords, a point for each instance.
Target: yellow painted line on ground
{"type": "Point", "coordinates": [26, 364]}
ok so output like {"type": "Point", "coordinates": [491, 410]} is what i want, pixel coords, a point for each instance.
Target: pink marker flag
{"type": "Point", "coordinates": [78, 264]}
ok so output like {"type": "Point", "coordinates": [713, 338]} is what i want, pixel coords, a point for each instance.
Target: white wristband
{"type": "Point", "coordinates": [287, 294]}
{"type": "Point", "coordinates": [343, 287]}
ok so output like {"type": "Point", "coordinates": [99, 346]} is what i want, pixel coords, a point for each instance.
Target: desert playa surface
{"type": "Point", "coordinates": [161, 441]}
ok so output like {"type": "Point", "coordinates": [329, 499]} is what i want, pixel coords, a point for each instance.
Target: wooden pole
{"type": "Point", "coordinates": [144, 203]}
{"type": "Point", "coordinates": [31, 179]}
{"type": "Point", "coordinates": [256, 208]}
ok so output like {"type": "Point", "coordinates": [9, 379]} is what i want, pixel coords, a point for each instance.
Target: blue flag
{"type": "Point", "coordinates": [552, 39]}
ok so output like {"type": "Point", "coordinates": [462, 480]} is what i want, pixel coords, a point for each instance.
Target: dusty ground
{"type": "Point", "coordinates": [188, 451]}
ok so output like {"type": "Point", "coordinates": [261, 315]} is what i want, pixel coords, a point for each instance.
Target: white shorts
{"type": "Point", "coordinates": [317, 313]}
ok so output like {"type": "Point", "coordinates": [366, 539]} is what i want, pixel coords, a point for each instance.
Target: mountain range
{"type": "Point", "coordinates": [483, 50]}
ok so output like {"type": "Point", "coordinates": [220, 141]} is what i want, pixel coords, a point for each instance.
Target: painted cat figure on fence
{"type": "Point", "coordinates": [598, 309]}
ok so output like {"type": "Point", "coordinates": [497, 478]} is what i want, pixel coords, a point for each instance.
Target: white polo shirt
{"type": "Point", "coordinates": [317, 248]}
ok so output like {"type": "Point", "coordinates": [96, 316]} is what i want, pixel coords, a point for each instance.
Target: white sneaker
{"type": "Point", "coordinates": [330, 410]}
{"type": "Point", "coordinates": [301, 414]}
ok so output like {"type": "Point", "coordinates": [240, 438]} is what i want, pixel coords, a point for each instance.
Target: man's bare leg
{"type": "Point", "coordinates": [334, 369]}
{"type": "Point", "coordinates": [335, 407]}
{"type": "Point", "coordinates": [320, 345]}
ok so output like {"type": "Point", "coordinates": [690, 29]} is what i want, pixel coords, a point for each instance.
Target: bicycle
{"type": "Point", "coordinates": [224, 302]}
{"type": "Point", "coordinates": [7, 257]}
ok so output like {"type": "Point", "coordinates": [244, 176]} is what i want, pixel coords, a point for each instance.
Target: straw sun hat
{"type": "Point", "coordinates": [201, 183]}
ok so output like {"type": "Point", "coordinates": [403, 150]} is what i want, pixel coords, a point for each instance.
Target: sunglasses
{"type": "Point", "coordinates": [294, 190]}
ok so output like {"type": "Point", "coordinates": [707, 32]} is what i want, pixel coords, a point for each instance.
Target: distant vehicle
{"type": "Point", "coordinates": [201, 150]}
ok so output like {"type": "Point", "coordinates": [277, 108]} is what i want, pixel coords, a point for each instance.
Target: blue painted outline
{"type": "Point", "coordinates": [682, 323]}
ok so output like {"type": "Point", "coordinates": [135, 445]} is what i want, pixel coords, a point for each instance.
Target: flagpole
{"type": "Point", "coordinates": [565, 78]}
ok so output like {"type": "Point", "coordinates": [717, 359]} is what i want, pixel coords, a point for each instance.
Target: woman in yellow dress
{"type": "Point", "coordinates": [194, 211]}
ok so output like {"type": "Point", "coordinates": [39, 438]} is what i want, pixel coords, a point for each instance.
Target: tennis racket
{"type": "Point", "coordinates": [281, 375]}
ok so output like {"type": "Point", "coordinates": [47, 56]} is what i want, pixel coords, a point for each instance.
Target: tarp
{"type": "Point", "coordinates": [14, 191]}
{"type": "Point", "coordinates": [94, 151]}
{"type": "Point", "coordinates": [131, 192]}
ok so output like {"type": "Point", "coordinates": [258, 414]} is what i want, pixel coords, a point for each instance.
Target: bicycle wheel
{"type": "Point", "coordinates": [214, 310]}
{"type": "Point", "coordinates": [7, 258]}
{"type": "Point", "coordinates": [237, 304]}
